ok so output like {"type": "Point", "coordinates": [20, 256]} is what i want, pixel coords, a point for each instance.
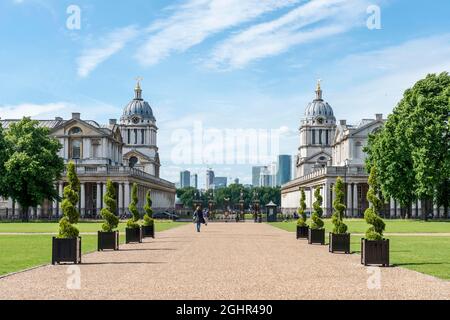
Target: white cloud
{"type": "Point", "coordinates": [309, 22]}
{"type": "Point", "coordinates": [108, 46]}
{"type": "Point", "coordinates": [193, 22]}
{"type": "Point", "coordinates": [31, 110]}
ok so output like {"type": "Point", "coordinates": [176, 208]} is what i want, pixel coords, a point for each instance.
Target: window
{"type": "Point", "coordinates": [135, 136]}
{"type": "Point", "coordinates": [326, 137]}
{"type": "Point", "coordinates": [129, 136]}
{"type": "Point", "coordinates": [320, 136]}
{"type": "Point", "coordinates": [313, 132]}
{"type": "Point", "coordinates": [75, 130]}
{"type": "Point", "coordinates": [133, 161]}
{"type": "Point", "coordinates": [76, 149]}
{"type": "Point", "coordinates": [142, 136]}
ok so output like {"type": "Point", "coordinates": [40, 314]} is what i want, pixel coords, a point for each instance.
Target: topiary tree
{"type": "Point", "coordinates": [108, 212]}
{"type": "Point", "coordinates": [339, 208]}
{"type": "Point", "coordinates": [371, 214]}
{"type": "Point", "coordinates": [133, 222]}
{"type": "Point", "coordinates": [301, 222]}
{"type": "Point", "coordinates": [317, 222]}
{"type": "Point", "coordinates": [68, 205]}
{"type": "Point", "coordinates": [148, 217]}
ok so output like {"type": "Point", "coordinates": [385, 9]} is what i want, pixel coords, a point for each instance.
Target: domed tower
{"type": "Point", "coordinates": [317, 131]}
{"type": "Point", "coordinates": [139, 130]}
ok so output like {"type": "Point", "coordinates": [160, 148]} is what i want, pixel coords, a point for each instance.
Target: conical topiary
{"type": "Point", "coordinates": [339, 208]}
{"type": "Point", "coordinates": [148, 216]}
{"type": "Point", "coordinates": [108, 212]}
{"type": "Point", "coordinates": [301, 222]}
{"type": "Point", "coordinates": [375, 232]}
{"type": "Point", "coordinates": [133, 222]}
{"type": "Point", "coordinates": [317, 222]}
{"type": "Point", "coordinates": [68, 205]}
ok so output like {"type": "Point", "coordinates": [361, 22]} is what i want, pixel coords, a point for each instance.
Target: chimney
{"type": "Point", "coordinates": [58, 118]}
{"type": "Point", "coordinates": [343, 122]}
{"type": "Point", "coordinates": [76, 115]}
{"type": "Point", "coordinates": [112, 122]}
{"type": "Point", "coordinates": [379, 116]}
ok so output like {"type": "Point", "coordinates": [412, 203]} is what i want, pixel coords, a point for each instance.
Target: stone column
{"type": "Point", "coordinates": [413, 209]}
{"type": "Point", "coordinates": [392, 208]}
{"type": "Point", "coordinates": [325, 199]}
{"type": "Point", "coordinates": [435, 211]}
{"type": "Point", "coordinates": [38, 211]}
{"type": "Point", "coordinates": [419, 209]}
{"type": "Point", "coordinates": [99, 198]}
{"type": "Point", "coordinates": [103, 194]}
{"type": "Point", "coordinates": [120, 197]}
{"type": "Point", "coordinates": [355, 200]}
{"type": "Point", "coordinates": [311, 197]}
{"type": "Point", "coordinates": [61, 194]}
{"type": "Point", "coordinates": [82, 199]}
{"type": "Point", "coordinates": [126, 196]}
{"type": "Point", "coordinates": [398, 209]}
{"type": "Point", "coordinates": [349, 200]}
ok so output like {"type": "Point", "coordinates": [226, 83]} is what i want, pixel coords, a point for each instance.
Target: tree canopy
{"type": "Point", "coordinates": [108, 212]}
{"type": "Point", "coordinates": [339, 208]}
{"type": "Point", "coordinates": [133, 221]}
{"type": "Point", "coordinates": [32, 166]}
{"type": "Point", "coordinates": [69, 205]}
{"type": "Point", "coordinates": [412, 150]}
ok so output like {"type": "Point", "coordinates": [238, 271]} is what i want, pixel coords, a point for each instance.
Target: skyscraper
{"type": "Point", "coordinates": [194, 180]}
{"type": "Point", "coordinates": [220, 182]}
{"type": "Point", "coordinates": [256, 173]}
{"type": "Point", "coordinates": [209, 178]}
{"type": "Point", "coordinates": [284, 173]}
{"type": "Point", "coordinates": [185, 179]}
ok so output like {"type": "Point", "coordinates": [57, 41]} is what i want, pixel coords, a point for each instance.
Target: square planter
{"type": "Point", "coordinates": [339, 242]}
{"type": "Point", "coordinates": [133, 235]}
{"type": "Point", "coordinates": [66, 250]}
{"type": "Point", "coordinates": [316, 236]}
{"type": "Point", "coordinates": [375, 252]}
{"type": "Point", "coordinates": [148, 231]}
{"type": "Point", "coordinates": [302, 232]}
{"type": "Point", "coordinates": [108, 240]}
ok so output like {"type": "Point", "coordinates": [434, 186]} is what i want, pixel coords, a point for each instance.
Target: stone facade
{"type": "Point", "coordinates": [103, 152]}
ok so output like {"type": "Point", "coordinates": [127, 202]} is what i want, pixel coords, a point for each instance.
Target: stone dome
{"type": "Point", "coordinates": [319, 108]}
{"type": "Point", "coordinates": [138, 108]}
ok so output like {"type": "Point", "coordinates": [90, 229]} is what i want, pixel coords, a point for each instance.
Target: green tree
{"type": "Point", "coordinates": [317, 222]}
{"type": "Point", "coordinates": [108, 212]}
{"type": "Point", "coordinates": [4, 149]}
{"type": "Point", "coordinates": [133, 222]}
{"type": "Point", "coordinates": [301, 222]}
{"type": "Point", "coordinates": [371, 215]}
{"type": "Point", "coordinates": [69, 205]}
{"type": "Point", "coordinates": [339, 208]}
{"type": "Point", "coordinates": [33, 164]}
{"type": "Point", "coordinates": [187, 196]}
{"type": "Point", "coordinates": [148, 216]}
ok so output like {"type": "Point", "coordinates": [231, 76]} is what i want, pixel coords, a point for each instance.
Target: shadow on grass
{"type": "Point", "coordinates": [418, 264]}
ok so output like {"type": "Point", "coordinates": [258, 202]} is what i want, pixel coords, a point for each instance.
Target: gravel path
{"type": "Point", "coordinates": [224, 261]}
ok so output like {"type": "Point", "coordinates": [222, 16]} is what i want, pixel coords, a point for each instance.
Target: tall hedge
{"type": "Point", "coordinates": [108, 212]}
{"type": "Point", "coordinates": [148, 216]}
{"type": "Point", "coordinates": [317, 222]}
{"type": "Point", "coordinates": [371, 215]}
{"type": "Point", "coordinates": [301, 222]}
{"type": "Point", "coordinates": [69, 205]}
{"type": "Point", "coordinates": [133, 222]}
{"type": "Point", "coordinates": [339, 208]}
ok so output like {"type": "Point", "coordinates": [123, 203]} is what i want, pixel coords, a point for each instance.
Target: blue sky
{"type": "Point", "coordinates": [234, 64]}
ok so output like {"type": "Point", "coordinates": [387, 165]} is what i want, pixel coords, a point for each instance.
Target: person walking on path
{"type": "Point", "coordinates": [198, 216]}
{"type": "Point", "coordinates": [205, 216]}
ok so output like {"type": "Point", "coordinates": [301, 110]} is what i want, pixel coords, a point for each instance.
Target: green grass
{"type": "Point", "coordinates": [19, 252]}
{"type": "Point", "coordinates": [429, 255]}
{"type": "Point", "coordinates": [392, 226]}
{"type": "Point", "coordinates": [52, 227]}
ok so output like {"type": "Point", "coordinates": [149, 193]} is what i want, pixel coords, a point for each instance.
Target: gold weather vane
{"type": "Point", "coordinates": [319, 81]}
{"type": "Point", "coordinates": [138, 80]}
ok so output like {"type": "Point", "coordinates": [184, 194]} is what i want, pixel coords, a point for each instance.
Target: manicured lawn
{"type": "Point", "coordinates": [429, 255]}
{"type": "Point", "coordinates": [392, 226]}
{"type": "Point", "coordinates": [19, 252]}
{"type": "Point", "coordinates": [52, 227]}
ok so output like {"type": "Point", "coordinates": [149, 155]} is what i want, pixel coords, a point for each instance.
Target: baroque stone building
{"type": "Point", "coordinates": [126, 153]}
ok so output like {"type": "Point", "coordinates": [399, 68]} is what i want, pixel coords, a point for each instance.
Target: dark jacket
{"type": "Point", "coordinates": [198, 215]}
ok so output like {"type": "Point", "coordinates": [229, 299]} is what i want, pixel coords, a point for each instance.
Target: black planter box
{"type": "Point", "coordinates": [375, 252]}
{"type": "Point", "coordinates": [148, 231]}
{"type": "Point", "coordinates": [133, 235]}
{"type": "Point", "coordinates": [302, 232]}
{"type": "Point", "coordinates": [339, 242]}
{"type": "Point", "coordinates": [66, 250]}
{"type": "Point", "coordinates": [108, 240]}
{"type": "Point", "coordinates": [316, 236]}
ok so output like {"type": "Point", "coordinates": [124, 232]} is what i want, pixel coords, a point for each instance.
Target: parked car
{"type": "Point", "coordinates": [165, 215]}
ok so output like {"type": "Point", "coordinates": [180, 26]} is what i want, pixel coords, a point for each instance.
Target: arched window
{"type": "Point", "coordinates": [76, 149]}
{"type": "Point", "coordinates": [358, 150]}
{"type": "Point", "coordinates": [133, 161]}
{"type": "Point", "coordinates": [75, 130]}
